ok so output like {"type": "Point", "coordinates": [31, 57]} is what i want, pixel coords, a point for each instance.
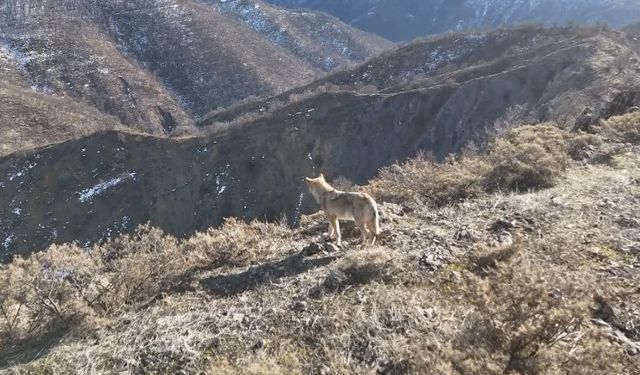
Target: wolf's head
{"type": "Point", "coordinates": [317, 186]}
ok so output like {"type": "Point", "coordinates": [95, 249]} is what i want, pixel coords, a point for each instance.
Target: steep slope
{"type": "Point", "coordinates": [422, 17]}
{"type": "Point", "coordinates": [89, 189]}
{"type": "Point", "coordinates": [570, 63]}
{"type": "Point", "coordinates": [80, 62]}
{"type": "Point", "coordinates": [30, 119]}
{"type": "Point", "coordinates": [317, 38]}
{"type": "Point", "coordinates": [154, 65]}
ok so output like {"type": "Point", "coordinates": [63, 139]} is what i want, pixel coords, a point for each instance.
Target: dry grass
{"type": "Point", "coordinates": [238, 244]}
{"type": "Point", "coordinates": [424, 180]}
{"type": "Point", "coordinates": [560, 298]}
{"type": "Point", "coordinates": [70, 288]}
{"type": "Point", "coordinates": [524, 158]}
{"type": "Point", "coordinates": [625, 128]}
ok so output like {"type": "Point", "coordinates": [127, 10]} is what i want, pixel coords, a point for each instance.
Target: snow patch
{"type": "Point", "coordinates": [298, 209]}
{"type": "Point", "coordinates": [18, 57]}
{"type": "Point", "coordinates": [21, 172]}
{"type": "Point", "coordinates": [87, 194]}
{"type": "Point", "coordinates": [8, 241]}
{"type": "Point", "coordinates": [219, 179]}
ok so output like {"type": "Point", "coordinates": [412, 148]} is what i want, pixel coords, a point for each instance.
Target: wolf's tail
{"type": "Point", "coordinates": [376, 220]}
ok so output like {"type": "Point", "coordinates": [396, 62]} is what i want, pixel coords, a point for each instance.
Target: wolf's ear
{"type": "Point", "coordinates": [321, 176]}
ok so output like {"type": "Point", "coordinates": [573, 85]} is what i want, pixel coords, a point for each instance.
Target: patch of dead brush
{"type": "Point", "coordinates": [525, 158]}
{"type": "Point", "coordinates": [624, 128]}
{"type": "Point", "coordinates": [70, 288]}
{"type": "Point", "coordinates": [236, 243]}
{"type": "Point", "coordinates": [422, 179]}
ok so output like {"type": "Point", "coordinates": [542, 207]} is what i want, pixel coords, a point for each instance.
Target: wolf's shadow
{"type": "Point", "coordinates": [232, 284]}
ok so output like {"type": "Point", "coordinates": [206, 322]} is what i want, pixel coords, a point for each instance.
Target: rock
{"type": "Point", "coordinates": [237, 317]}
{"type": "Point", "coordinates": [299, 306]}
{"type": "Point", "coordinates": [312, 249]}
{"type": "Point", "coordinates": [585, 121]}
{"type": "Point", "coordinates": [627, 222]}
{"type": "Point", "coordinates": [466, 235]}
{"type": "Point", "coordinates": [316, 291]}
{"type": "Point", "coordinates": [505, 238]}
{"type": "Point", "coordinates": [430, 262]}
{"type": "Point", "coordinates": [335, 280]}
{"type": "Point", "coordinates": [330, 247]}
{"type": "Point", "coordinates": [502, 225]}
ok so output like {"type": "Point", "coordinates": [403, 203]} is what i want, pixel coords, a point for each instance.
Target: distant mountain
{"type": "Point", "coordinates": [154, 65]}
{"type": "Point", "coordinates": [407, 19]}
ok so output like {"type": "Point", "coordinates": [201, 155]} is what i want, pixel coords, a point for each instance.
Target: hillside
{"type": "Point", "coordinates": [526, 263]}
{"type": "Point", "coordinates": [157, 65]}
{"type": "Point", "coordinates": [90, 189]}
{"type": "Point", "coordinates": [452, 59]}
{"type": "Point", "coordinates": [424, 17]}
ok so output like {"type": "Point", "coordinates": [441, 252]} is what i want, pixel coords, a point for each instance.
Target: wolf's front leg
{"type": "Point", "coordinates": [332, 231]}
{"type": "Point", "coordinates": [336, 227]}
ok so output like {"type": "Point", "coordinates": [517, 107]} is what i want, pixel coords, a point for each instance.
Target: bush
{"type": "Point", "coordinates": [529, 157]}
{"type": "Point", "coordinates": [46, 292]}
{"type": "Point", "coordinates": [625, 128]}
{"type": "Point", "coordinates": [236, 243]}
{"type": "Point", "coordinates": [524, 315]}
{"type": "Point", "coordinates": [141, 265]}
{"type": "Point", "coordinates": [424, 180]}
{"type": "Point", "coordinates": [62, 286]}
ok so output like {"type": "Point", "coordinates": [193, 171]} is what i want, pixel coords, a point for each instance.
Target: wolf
{"type": "Point", "coordinates": [340, 205]}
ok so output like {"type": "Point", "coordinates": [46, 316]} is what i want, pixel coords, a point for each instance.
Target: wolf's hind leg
{"type": "Point", "coordinates": [363, 231]}
{"type": "Point", "coordinates": [371, 226]}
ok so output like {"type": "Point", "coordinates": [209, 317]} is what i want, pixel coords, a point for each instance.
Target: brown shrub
{"type": "Point", "coordinates": [528, 157]}
{"type": "Point", "coordinates": [625, 128]}
{"type": "Point", "coordinates": [141, 265]}
{"type": "Point", "coordinates": [344, 184]}
{"type": "Point", "coordinates": [580, 146]}
{"type": "Point", "coordinates": [423, 180]}
{"type": "Point", "coordinates": [236, 243]}
{"type": "Point", "coordinates": [46, 292]}
{"type": "Point", "coordinates": [65, 286]}
{"type": "Point", "coordinates": [524, 315]}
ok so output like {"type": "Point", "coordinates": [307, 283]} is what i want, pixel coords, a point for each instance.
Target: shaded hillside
{"type": "Point", "coordinates": [92, 188]}
{"type": "Point", "coordinates": [526, 72]}
{"type": "Point", "coordinates": [496, 282]}
{"type": "Point", "coordinates": [423, 17]}
{"type": "Point", "coordinates": [154, 65]}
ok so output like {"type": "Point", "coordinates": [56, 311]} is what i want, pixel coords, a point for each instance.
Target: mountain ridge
{"type": "Point", "coordinates": [420, 17]}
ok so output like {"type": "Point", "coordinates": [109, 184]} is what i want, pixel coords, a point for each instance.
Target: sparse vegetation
{"type": "Point", "coordinates": [624, 128]}
{"type": "Point", "coordinates": [498, 283]}
{"type": "Point", "coordinates": [524, 158]}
